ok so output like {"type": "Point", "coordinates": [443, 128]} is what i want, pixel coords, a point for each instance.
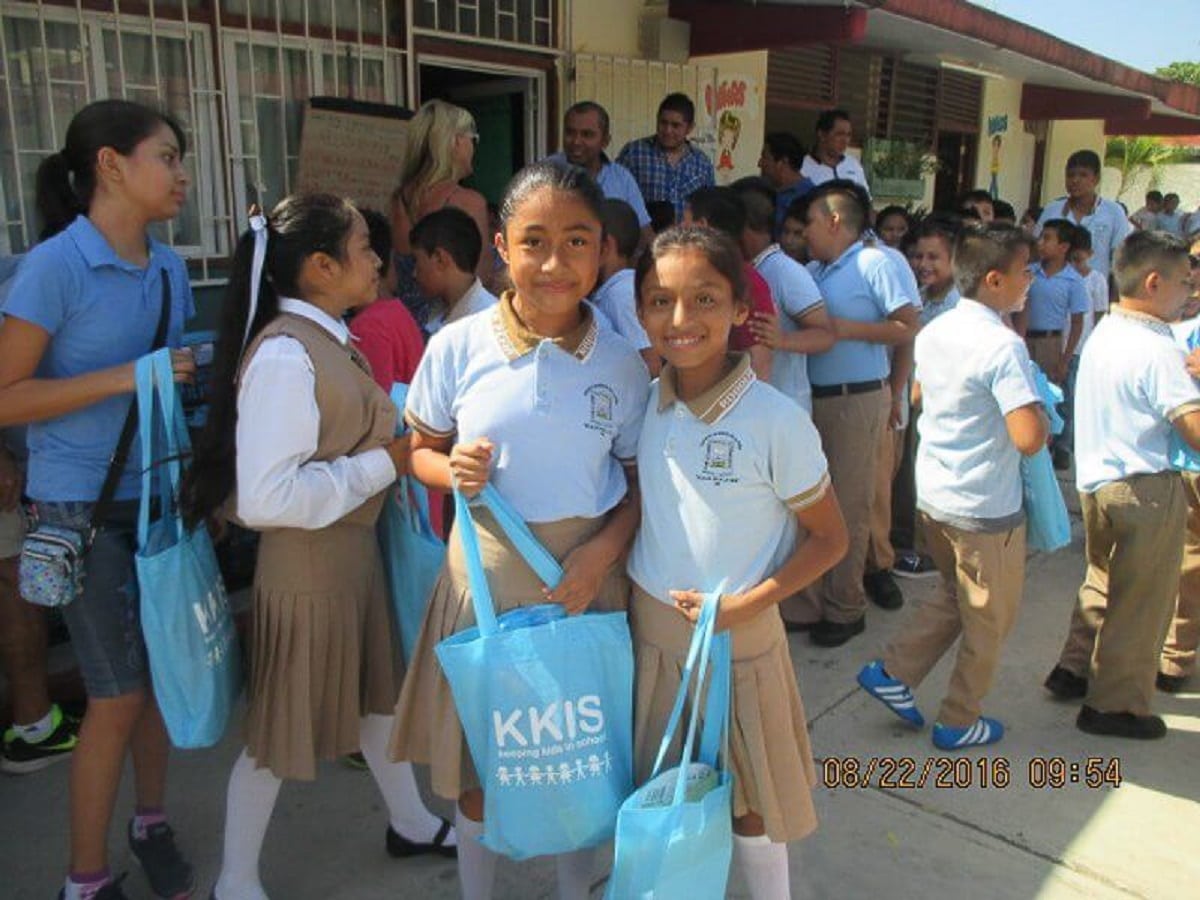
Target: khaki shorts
{"type": "Point", "coordinates": [12, 532]}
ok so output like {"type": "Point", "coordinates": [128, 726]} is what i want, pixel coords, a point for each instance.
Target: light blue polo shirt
{"type": "Point", "coordinates": [1107, 223]}
{"type": "Point", "coordinates": [973, 371]}
{"type": "Point", "coordinates": [932, 309]}
{"type": "Point", "coordinates": [1132, 385]}
{"type": "Point", "coordinates": [617, 301]}
{"type": "Point", "coordinates": [563, 414]}
{"type": "Point", "coordinates": [722, 477]}
{"type": "Point", "coordinates": [616, 183]}
{"type": "Point", "coordinates": [1053, 299]}
{"type": "Point", "coordinates": [865, 285]}
{"type": "Point", "coordinates": [796, 295]}
{"type": "Point", "coordinates": [100, 311]}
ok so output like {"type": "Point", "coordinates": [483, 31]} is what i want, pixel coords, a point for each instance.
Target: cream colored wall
{"type": "Point", "coordinates": [1182, 179]}
{"type": "Point", "coordinates": [1002, 97]}
{"type": "Point", "coordinates": [1063, 139]}
{"type": "Point", "coordinates": [742, 91]}
{"type": "Point", "coordinates": [606, 26]}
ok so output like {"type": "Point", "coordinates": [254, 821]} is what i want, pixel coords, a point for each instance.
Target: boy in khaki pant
{"type": "Point", "coordinates": [1133, 387]}
{"type": "Point", "coordinates": [980, 413]}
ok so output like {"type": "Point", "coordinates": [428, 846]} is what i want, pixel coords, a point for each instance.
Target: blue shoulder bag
{"type": "Point", "coordinates": [546, 703]}
{"type": "Point", "coordinates": [1048, 527]}
{"type": "Point", "coordinates": [195, 666]}
{"type": "Point", "coordinates": [675, 834]}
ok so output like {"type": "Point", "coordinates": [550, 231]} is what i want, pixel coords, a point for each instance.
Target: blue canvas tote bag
{"type": "Point", "coordinates": [546, 703]}
{"type": "Point", "coordinates": [411, 550]}
{"type": "Point", "coordinates": [1048, 527]}
{"type": "Point", "coordinates": [675, 833]}
{"type": "Point", "coordinates": [195, 666]}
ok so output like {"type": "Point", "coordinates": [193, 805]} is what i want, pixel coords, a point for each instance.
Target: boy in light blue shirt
{"type": "Point", "coordinates": [616, 297]}
{"type": "Point", "coordinates": [981, 413]}
{"type": "Point", "coordinates": [1133, 391]}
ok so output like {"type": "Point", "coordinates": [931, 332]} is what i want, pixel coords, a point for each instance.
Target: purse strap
{"type": "Point", "coordinates": [120, 457]}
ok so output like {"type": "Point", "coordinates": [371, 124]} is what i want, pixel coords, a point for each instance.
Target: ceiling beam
{"type": "Point", "coordinates": [732, 27]}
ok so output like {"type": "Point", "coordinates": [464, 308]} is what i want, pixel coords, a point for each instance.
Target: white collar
{"type": "Point", "coordinates": [307, 311]}
{"type": "Point", "coordinates": [772, 249]}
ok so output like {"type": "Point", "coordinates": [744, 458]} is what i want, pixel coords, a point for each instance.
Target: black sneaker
{"type": "Point", "coordinates": [883, 590]}
{"type": "Point", "coordinates": [1169, 684]}
{"type": "Point", "coordinates": [110, 891]}
{"type": "Point", "coordinates": [911, 564]}
{"type": "Point", "coordinates": [1061, 458]}
{"type": "Point", "coordinates": [20, 757]}
{"type": "Point", "coordinates": [834, 634]}
{"type": "Point", "coordinates": [169, 874]}
{"type": "Point", "coordinates": [1066, 685]}
{"type": "Point", "coordinates": [1120, 724]}
{"type": "Point", "coordinates": [401, 847]}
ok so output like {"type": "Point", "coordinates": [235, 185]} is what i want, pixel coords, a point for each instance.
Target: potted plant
{"type": "Point", "coordinates": [896, 169]}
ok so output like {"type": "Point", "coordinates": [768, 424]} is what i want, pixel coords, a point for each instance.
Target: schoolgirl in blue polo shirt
{"type": "Point", "coordinates": [84, 306]}
{"type": "Point", "coordinates": [537, 398]}
{"type": "Point", "coordinates": [732, 471]}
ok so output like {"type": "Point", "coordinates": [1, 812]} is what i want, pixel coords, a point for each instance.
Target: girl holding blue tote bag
{"type": "Point", "coordinates": [299, 445]}
{"type": "Point", "coordinates": [533, 397]}
{"type": "Point", "coordinates": [731, 471]}
{"type": "Point", "coordinates": [93, 296]}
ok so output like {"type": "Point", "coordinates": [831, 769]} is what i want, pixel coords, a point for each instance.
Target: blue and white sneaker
{"type": "Point", "coordinates": [892, 693]}
{"type": "Point", "coordinates": [983, 731]}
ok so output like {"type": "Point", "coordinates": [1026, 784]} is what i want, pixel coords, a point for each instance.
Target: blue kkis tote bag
{"type": "Point", "coordinates": [546, 703]}
{"type": "Point", "coordinates": [1048, 527]}
{"type": "Point", "coordinates": [411, 550]}
{"type": "Point", "coordinates": [190, 638]}
{"type": "Point", "coordinates": [675, 833]}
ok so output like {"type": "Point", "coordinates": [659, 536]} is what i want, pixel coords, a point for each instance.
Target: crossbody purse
{"type": "Point", "coordinates": [52, 566]}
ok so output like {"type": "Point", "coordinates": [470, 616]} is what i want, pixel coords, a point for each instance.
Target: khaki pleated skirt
{"type": "Point", "coordinates": [427, 728]}
{"type": "Point", "coordinates": [323, 648]}
{"type": "Point", "coordinates": [768, 739]}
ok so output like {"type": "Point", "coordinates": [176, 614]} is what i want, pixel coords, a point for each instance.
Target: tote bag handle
{"type": "Point", "coordinates": [707, 648]}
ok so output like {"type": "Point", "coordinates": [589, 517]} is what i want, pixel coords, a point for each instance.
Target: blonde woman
{"type": "Point", "coordinates": [441, 149]}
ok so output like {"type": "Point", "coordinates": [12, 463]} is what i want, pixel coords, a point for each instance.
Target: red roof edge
{"type": "Point", "coordinates": [976, 22]}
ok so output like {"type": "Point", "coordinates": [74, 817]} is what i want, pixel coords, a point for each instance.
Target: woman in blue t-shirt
{"type": "Point", "coordinates": [84, 306]}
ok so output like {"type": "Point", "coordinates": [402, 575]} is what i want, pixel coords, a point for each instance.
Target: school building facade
{"type": "Point", "coordinates": [996, 103]}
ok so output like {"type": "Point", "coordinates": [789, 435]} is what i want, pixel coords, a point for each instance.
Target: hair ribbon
{"type": "Point", "coordinates": [258, 225]}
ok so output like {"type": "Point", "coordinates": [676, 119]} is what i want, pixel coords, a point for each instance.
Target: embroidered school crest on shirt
{"type": "Point", "coordinates": [602, 408]}
{"type": "Point", "coordinates": [720, 449]}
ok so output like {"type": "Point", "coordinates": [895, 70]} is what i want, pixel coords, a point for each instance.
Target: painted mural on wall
{"type": "Point", "coordinates": [997, 127]}
{"type": "Point", "coordinates": [735, 107]}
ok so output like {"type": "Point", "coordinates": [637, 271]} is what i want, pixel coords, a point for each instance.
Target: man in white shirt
{"type": "Point", "coordinates": [829, 159]}
{"type": "Point", "coordinates": [1104, 218]}
{"type": "Point", "coordinates": [1146, 218]}
{"type": "Point", "coordinates": [1171, 219]}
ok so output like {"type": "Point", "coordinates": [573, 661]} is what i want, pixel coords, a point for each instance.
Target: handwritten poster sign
{"type": "Point", "coordinates": [735, 105]}
{"type": "Point", "coordinates": [352, 149]}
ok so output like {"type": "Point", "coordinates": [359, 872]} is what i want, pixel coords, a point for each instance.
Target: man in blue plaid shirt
{"type": "Point", "coordinates": [665, 165]}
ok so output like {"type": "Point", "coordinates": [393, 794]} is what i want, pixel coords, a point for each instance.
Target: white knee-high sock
{"type": "Point", "coordinates": [248, 804]}
{"type": "Point", "coordinates": [575, 873]}
{"type": "Point", "coordinates": [764, 865]}
{"type": "Point", "coordinates": [406, 811]}
{"type": "Point", "coordinates": [476, 863]}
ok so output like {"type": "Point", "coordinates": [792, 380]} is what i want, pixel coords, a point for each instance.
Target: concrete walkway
{"type": "Point", "coordinates": [1138, 840]}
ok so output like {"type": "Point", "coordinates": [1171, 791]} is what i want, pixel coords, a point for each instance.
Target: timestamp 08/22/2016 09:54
{"type": "Point", "coordinates": [962, 772]}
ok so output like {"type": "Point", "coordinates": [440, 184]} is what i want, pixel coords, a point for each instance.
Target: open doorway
{"type": "Point", "coordinates": [956, 168]}
{"type": "Point", "coordinates": [506, 107]}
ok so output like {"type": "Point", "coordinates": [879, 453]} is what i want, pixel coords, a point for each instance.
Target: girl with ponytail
{"type": "Point", "coordinates": [96, 294]}
{"type": "Point", "coordinates": [299, 445]}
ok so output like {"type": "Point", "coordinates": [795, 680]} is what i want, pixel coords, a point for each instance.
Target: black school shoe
{"type": "Point", "coordinates": [1170, 684]}
{"type": "Point", "coordinates": [170, 875]}
{"type": "Point", "coordinates": [1066, 685]}
{"type": "Point", "coordinates": [1120, 724]}
{"type": "Point", "coordinates": [401, 847]}
{"type": "Point", "coordinates": [834, 634]}
{"type": "Point", "coordinates": [110, 891]}
{"type": "Point", "coordinates": [883, 590]}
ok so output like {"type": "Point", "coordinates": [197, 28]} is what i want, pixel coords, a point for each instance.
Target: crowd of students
{"type": "Point", "coordinates": [777, 389]}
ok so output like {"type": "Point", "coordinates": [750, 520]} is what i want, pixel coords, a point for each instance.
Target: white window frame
{"type": "Point", "coordinates": [209, 188]}
{"type": "Point", "coordinates": [315, 50]}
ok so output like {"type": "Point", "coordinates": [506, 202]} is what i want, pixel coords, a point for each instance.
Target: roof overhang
{"type": "Point", "coordinates": [1061, 80]}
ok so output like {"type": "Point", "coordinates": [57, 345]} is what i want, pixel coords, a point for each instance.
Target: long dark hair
{"type": "Point", "coordinates": [298, 227]}
{"type": "Point", "coordinates": [66, 181]}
